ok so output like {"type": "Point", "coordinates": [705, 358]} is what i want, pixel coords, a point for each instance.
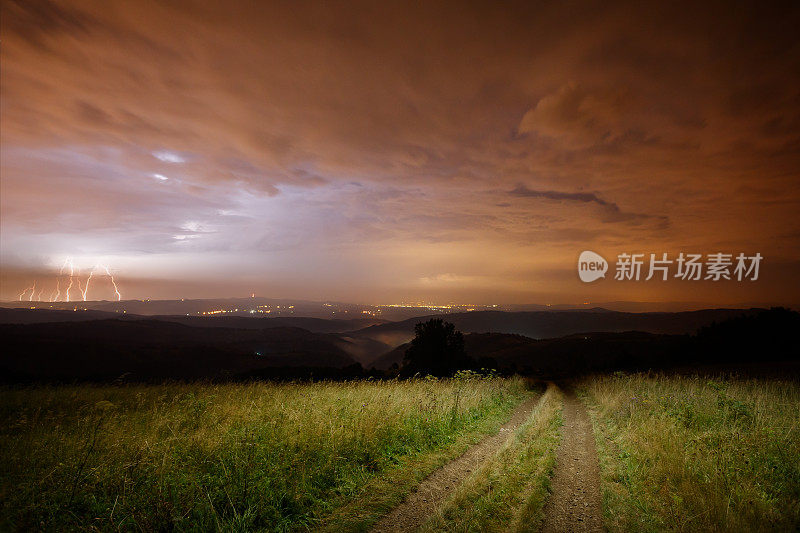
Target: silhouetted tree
{"type": "Point", "coordinates": [437, 349]}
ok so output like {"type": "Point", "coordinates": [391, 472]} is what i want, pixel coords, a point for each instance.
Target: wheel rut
{"type": "Point", "coordinates": [432, 491]}
{"type": "Point", "coordinates": [575, 503]}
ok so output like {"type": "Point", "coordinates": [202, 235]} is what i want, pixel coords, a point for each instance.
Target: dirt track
{"type": "Point", "coordinates": [422, 503]}
{"type": "Point", "coordinates": [574, 504]}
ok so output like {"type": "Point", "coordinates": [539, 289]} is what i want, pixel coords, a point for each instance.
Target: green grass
{"type": "Point", "coordinates": [692, 454]}
{"type": "Point", "coordinates": [233, 457]}
{"type": "Point", "coordinates": [508, 492]}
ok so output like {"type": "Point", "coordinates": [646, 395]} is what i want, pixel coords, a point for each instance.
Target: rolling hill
{"type": "Point", "coordinates": [154, 350]}
{"type": "Point", "coordinates": [549, 324]}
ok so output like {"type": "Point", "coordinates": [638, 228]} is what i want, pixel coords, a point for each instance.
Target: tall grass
{"type": "Point", "coordinates": [234, 456]}
{"type": "Point", "coordinates": [693, 454]}
{"type": "Point", "coordinates": [508, 492]}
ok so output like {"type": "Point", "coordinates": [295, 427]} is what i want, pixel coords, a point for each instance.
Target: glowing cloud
{"type": "Point", "coordinates": [168, 157]}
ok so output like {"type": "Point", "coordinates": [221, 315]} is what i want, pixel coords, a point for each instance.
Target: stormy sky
{"type": "Point", "coordinates": [386, 151]}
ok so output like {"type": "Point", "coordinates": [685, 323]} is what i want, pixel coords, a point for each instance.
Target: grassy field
{"type": "Point", "coordinates": [692, 454]}
{"type": "Point", "coordinates": [234, 457]}
{"type": "Point", "coordinates": [676, 453]}
{"type": "Point", "coordinates": [508, 492]}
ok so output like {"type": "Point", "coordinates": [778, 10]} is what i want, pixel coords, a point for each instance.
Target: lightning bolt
{"type": "Point", "coordinates": [57, 291]}
{"type": "Point", "coordinates": [67, 263]}
{"type": "Point", "coordinates": [31, 288]}
{"type": "Point", "coordinates": [80, 288]}
{"type": "Point", "coordinates": [91, 273]}
{"type": "Point", "coordinates": [71, 277]}
{"type": "Point", "coordinates": [114, 283]}
{"type": "Point", "coordinates": [74, 279]}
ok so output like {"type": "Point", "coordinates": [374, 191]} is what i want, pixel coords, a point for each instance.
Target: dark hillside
{"type": "Point", "coordinates": [152, 350]}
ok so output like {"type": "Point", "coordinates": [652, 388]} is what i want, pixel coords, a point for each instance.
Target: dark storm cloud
{"type": "Point", "coordinates": [584, 197]}
{"type": "Point", "coordinates": [33, 20]}
{"type": "Point", "coordinates": [611, 211]}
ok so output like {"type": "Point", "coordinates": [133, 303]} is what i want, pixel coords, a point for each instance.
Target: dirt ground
{"type": "Point", "coordinates": [421, 504]}
{"type": "Point", "coordinates": [575, 504]}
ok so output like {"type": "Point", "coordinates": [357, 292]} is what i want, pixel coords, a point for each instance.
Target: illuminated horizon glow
{"type": "Point", "coordinates": [90, 274]}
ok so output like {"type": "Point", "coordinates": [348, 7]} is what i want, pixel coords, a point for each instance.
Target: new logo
{"type": "Point", "coordinates": [591, 266]}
